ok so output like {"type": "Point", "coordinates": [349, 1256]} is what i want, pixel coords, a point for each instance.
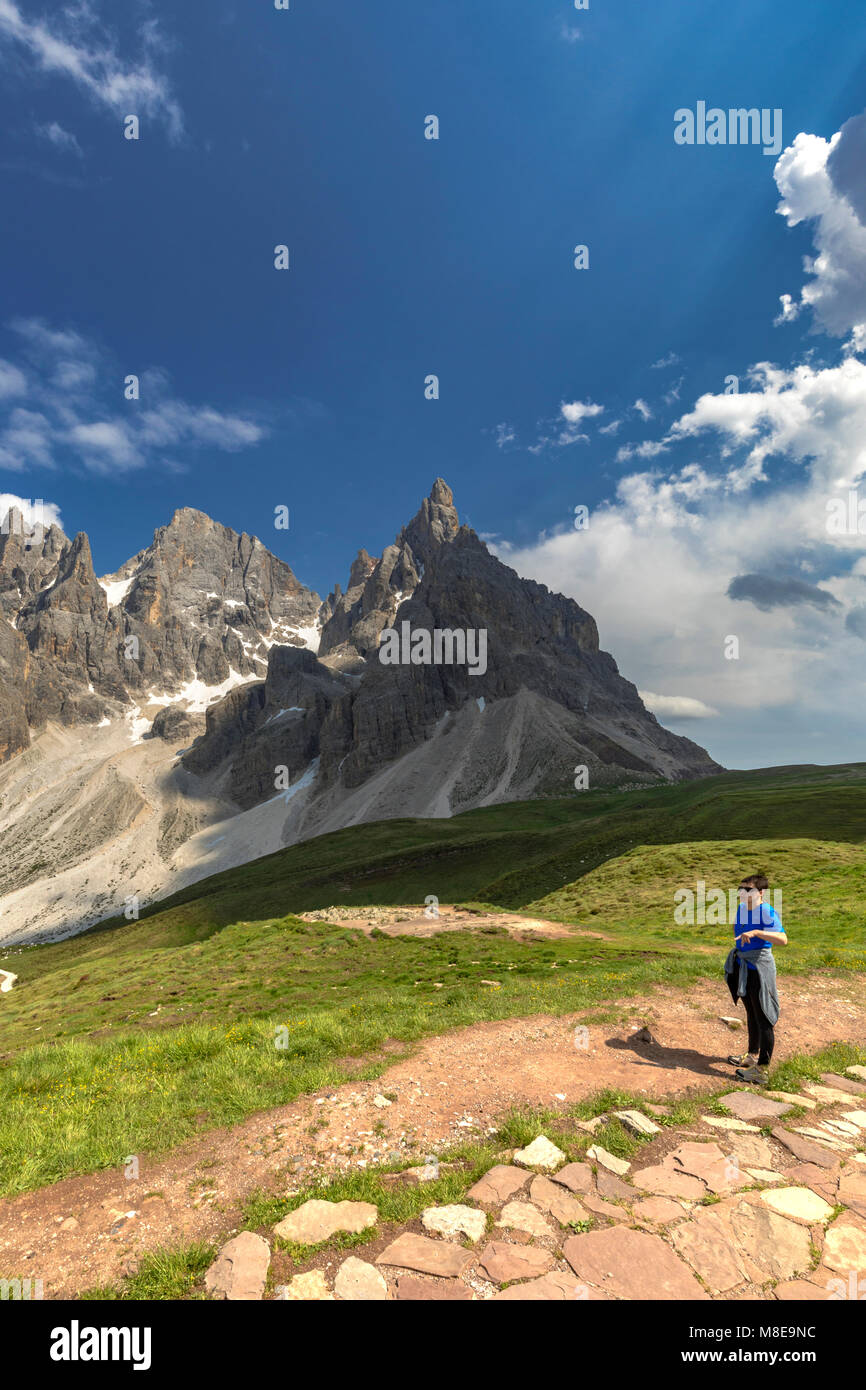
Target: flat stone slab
{"type": "Point", "coordinates": [502, 1263]}
{"type": "Point", "coordinates": [240, 1270]}
{"type": "Point", "coordinates": [359, 1282]}
{"type": "Point", "coordinates": [710, 1164]}
{"type": "Point", "coordinates": [311, 1287]}
{"type": "Point", "coordinates": [410, 1251]}
{"type": "Point", "coordinates": [798, 1204]}
{"type": "Point", "coordinates": [664, 1181]}
{"type": "Point", "coordinates": [824, 1136]}
{"type": "Point", "coordinates": [843, 1128]}
{"type": "Point", "coordinates": [577, 1177]}
{"type": "Point", "coordinates": [660, 1211]}
{"type": "Point", "coordinates": [829, 1095]}
{"type": "Point", "coordinates": [631, 1264]}
{"type": "Point", "coordinates": [778, 1247]}
{"type": "Point", "coordinates": [637, 1123]}
{"type": "Point", "coordinates": [749, 1105]}
{"type": "Point", "coordinates": [499, 1184]}
{"type": "Point", "coordinates": [608, 1160]}
{"type": "Point", "coordinates": [843, 1083]}
{"type": "Point", "coordinates": [734, 1126]}
{"type": "Point", "coordinates": [752, 1149]}
{"type": "Point", "coordinates": [845, 1245]}
{"type": "Point", "coordinates": [857, 1071]}
{"type": "Point", "coordinates": [613, 1188]}
{"type": "Point", "coordinates": [820, 1180]}
{"type": "Point", "coordinates": [599, 1207]}
{"type": "Point", "coordinates": [852, 1191]}
{"type": "Point", "coordinates": [407, 1287]}
{"type": "Point", "coordinates": [523, 1216]}
{"type": "Point", "coordinates": [550, 1197]}
{"type": "Point", "coordinates": [765, 1175]}
{"type": "Point", "coordinates": [540, 1154]}
{"type": "Point", "coordinates": [316, 1220]}
{"type": "Point", "coordinates": [804, 1149]}
{"type": "Point", "coordinates": [801, 1291]}
{"type": "Point", "coordinates": [855, 1117]}
{"type": "Point", "coordinates": [551, 1288]}
{"type": "Point", "coordinates": [455, 1221]}
{"type": "Point", "coordinates": [707, 1242]}
{"type": "Point", "coordinates": [790, 1099]}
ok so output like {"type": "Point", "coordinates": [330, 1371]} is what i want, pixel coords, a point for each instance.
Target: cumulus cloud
{"type": "Point", "coordinates": [34, 511]}
{"type": "Point", "coordinates": [750, 600]}
{"type": "Point", "coordinates": [62, 403]}
{"type": "Point", "coordinates": [757, 506]}
{"type": "Point", "coordinates": [823, 182]}
{"type": "Point", "coordinates": [73, 43]}
{"type": "Point", "coordinates": [676, 706]}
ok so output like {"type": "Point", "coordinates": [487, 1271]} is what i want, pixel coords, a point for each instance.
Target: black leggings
{"type": "Point", "coordinates": [761, 1035]}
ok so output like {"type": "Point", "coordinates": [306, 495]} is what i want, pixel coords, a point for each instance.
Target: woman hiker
{"type": "Point", "coordinates": [750, 972]}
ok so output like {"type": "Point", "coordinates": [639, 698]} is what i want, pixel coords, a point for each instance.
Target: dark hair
{"type": "Point", "coordinates": [756, 881]}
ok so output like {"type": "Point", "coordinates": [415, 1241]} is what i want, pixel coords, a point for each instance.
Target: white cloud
{"type": "Point", "coordinates": [676, 706]}
{"type": "Point", "coordinates": [670, 360]}
{"type": "Point", "coordinates": [739, 546]}
{"type": "Point", "coordinates": [823, 182]}
{"type": "Point", "coordinates": [73, 43]}
{"type": "Point", "coordinates": [575, 411]}
{"type": "Point", "coordinates": [678, 537]}
{"type": "Point", "coordinates": [75, 412]}
{"type": "Point", "coordinates": [33, 510]}
{"type": "Point", "coordinates": [566, 427]}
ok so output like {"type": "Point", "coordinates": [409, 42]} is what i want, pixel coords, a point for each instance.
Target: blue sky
{"type": "Point", "coordinates": [454, 257]}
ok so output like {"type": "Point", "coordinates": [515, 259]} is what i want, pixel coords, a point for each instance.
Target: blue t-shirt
{"type": "Point", "coordinates": [764, 918]}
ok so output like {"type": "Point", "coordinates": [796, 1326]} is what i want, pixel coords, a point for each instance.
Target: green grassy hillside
{"type": "Point", "coordinates": [133, 1035]}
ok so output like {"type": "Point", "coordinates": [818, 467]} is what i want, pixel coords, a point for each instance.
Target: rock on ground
{"type": "Point", "coordinates": [540, 1154]}
{"type": "Point", "coordinates": [317, 1220]}
{"type": "Point", "coordinates": [240, 1270]}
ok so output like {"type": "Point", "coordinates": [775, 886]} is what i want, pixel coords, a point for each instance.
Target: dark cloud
{"type": "Point", "coordinates": [766, 592]}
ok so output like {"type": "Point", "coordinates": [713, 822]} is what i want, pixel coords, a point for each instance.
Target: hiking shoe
{"type": "Point", "coordinates": [743, 1060]}
{"type": "Point", "coordinates": [756, 1076]}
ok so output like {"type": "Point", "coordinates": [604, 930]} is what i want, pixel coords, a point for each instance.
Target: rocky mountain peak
{"type": "Point", "coordinates": [354, 621]}
{"type": "Point", "coordinates": [435, 523]}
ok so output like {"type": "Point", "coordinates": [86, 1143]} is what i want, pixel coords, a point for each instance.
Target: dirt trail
{"type": "Point", "coordinates": [87, 1231]}
{"type": "Point", "coordinates": [414, 921]}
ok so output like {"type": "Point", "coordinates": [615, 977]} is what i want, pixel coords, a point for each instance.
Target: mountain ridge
{"type": "Point", "coordinates": [223, 710]}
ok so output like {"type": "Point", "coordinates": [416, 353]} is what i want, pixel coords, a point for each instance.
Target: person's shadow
{"type": "Point", "coordinates": [653, 1054]}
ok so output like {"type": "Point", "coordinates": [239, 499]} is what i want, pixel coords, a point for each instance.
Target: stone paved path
{"type": "Point", "coordinates": [90, 1230]}
{"type": "Point", "coordinates": [728, 1212]}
